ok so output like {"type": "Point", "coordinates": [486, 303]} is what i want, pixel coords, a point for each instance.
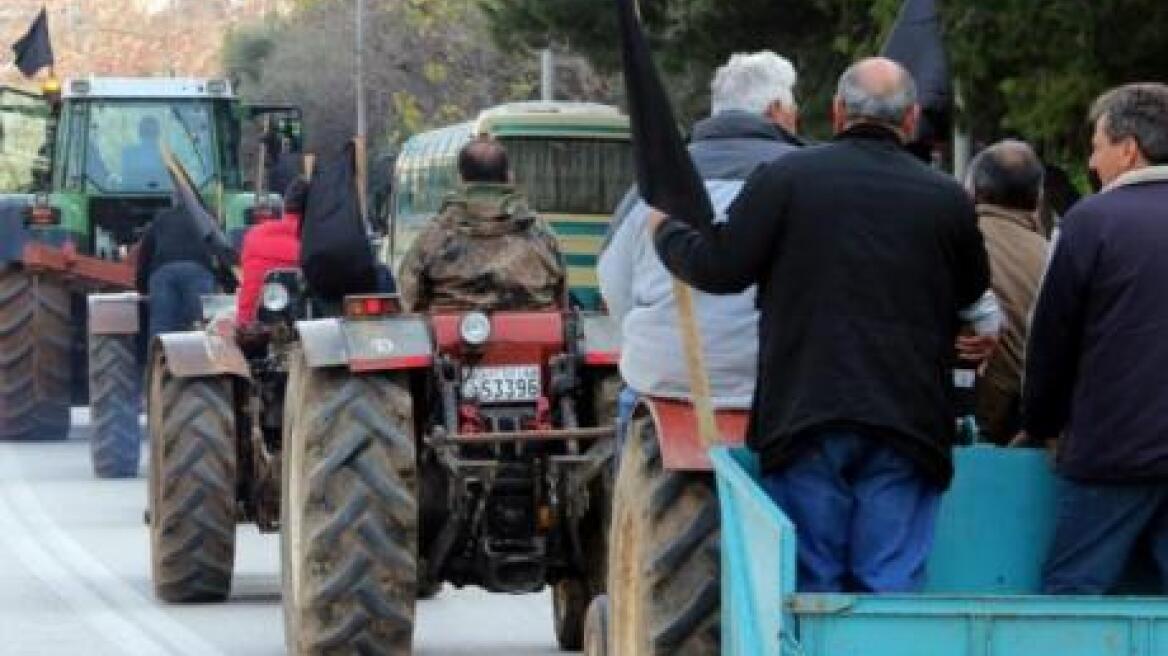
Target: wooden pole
{"type": "Point", "coordinates": [699, 380]}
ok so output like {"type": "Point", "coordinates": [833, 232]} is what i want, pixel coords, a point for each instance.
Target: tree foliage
{"type": "Point", "coordinates": [1033, 68]}
{"type": "Point", "coordinates": [427, 63]}
{"type": "Point", "coordinates": [1025, 67]}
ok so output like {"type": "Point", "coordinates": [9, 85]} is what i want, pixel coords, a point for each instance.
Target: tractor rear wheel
{"type": "Point", "coordinates": [596, 628]}
{"type": "Point", "coordinates": [192, 487]}
{"type": "Point", "coordinates": [114, 400]}
{"type": "Point", "coordinates": [571, 596]}
{"type": "Point", "coordinates": [35, 341]}
{"type": "Point", "coordinates": [350, 529]}
{"type": "Point", "coordinates": [663, 567]}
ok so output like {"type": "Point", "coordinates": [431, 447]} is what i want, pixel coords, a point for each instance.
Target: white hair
{"type": "Point", "coordinates": [753, 82]}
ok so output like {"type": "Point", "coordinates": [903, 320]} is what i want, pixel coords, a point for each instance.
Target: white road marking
{"type": "Point", "coordinates": [125, 617]}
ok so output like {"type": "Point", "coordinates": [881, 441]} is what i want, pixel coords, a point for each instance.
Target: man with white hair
{"type": "Point", "coordinates": [863, 257]}
{"type": "Point", "coordinates": [752, 123]}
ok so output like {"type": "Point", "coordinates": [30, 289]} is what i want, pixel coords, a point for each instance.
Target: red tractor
{"type": "Point", "coordinates": [461, 447]}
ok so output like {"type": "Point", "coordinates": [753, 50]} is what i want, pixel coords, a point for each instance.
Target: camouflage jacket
{"type": "Point", "coordinates": [484, 250]}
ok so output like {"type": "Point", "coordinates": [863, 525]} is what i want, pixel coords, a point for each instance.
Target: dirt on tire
{"type": "Point", "coordinates": [664, 568]}
{"type": "Point", "coordinates": [350, 528]}
{"type": "Point", "coordinates": [192, 483]}
{"type": "Point", "coordinates": [35, 340]}
{"type": "Point", "coordinates": [114, 401]}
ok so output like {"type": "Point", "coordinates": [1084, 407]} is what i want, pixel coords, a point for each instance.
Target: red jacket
{"type": "Point", "coordinates": [267, 246]}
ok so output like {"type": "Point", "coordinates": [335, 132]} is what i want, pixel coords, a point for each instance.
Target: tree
{"type": "Point", "coordinates": [1025, 67]}
{"type": "Point", "coordinates": [692, 37]}
{"type": "Point", "coordinates": [427, 62]}
{"type": "Point", "coordinates": [1033, 68]}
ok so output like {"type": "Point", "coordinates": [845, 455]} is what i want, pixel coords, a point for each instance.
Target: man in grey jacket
{"type": "Point", "coordinates": [753, 120]}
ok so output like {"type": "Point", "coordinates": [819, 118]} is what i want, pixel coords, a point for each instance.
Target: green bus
{"type": "Point", "coordinates": [573, 161]}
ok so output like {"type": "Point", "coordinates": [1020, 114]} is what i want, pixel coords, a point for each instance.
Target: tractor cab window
{"type": "Point", "coordinates": [572, 176]}
{"type": "Point", "coordinates": [123, 143]}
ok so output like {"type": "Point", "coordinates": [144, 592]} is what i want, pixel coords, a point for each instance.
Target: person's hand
{"type": "Point", "coordinates": [977, 349]}
{"type": "Point", "coordinates": [656, 218]}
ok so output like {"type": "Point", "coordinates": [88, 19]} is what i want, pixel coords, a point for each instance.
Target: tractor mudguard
{"type": "Point", "coordinates": [677, 432]}
{"type": "Point", "coordinates": [197, 354]}
{"type": "Point", "coordinates": [602, 339]}
{"type": "Point", "coordinates": [114, 314]}
{"type": "Point", "coordinates": [390, 344]}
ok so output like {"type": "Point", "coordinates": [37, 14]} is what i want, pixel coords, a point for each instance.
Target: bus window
{"type": "Point", "coordinates": [572, 176]}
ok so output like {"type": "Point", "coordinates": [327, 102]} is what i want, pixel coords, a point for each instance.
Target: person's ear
{"type": "Point", "coordinates": [912, 119]}
{"type": "Point", "coordinates": [1132, 157]}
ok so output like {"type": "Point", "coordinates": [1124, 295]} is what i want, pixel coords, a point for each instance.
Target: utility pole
{"type": "Point", "coordinates": [359, 140]}
{"type": "Point", "coordinates": [547, 74]}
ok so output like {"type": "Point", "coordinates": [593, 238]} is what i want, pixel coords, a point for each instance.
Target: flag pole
{"type": "Point", "coordinates": [699, 379]}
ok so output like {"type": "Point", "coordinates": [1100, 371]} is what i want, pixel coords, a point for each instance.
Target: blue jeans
{"type": "Point", "coordinates": [863, 513]}
{"type": "Point", "coordinates": [175, 291]}
{"type": "Point", "coordinates": [1095, 533]}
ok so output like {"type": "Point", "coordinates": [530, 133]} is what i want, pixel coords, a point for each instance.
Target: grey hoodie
{"type": "Point", "coordinates": [638, 289]}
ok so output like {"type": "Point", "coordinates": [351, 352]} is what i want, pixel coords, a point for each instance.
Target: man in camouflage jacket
{"type": "Point", "coordinates": [486, 249]}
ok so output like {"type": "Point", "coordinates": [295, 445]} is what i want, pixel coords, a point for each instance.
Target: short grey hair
{"type": "Point", "coordinates": [887, 106]}
{"type": "Point", "coordinates": [752, 82]}
{"type": "Point", "coordinates": [1139, 111]}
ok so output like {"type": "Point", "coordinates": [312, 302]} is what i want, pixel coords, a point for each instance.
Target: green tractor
{"type": "Point", "coordinates": [81, 176]}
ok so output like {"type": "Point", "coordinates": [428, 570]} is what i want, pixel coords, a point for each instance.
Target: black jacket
{"type": "Point", "coordinates": [1096, 360]}
{"type": "Point", "coordinates": [171, 237]}
{"type": "Point", "coordinates": [863, 257]}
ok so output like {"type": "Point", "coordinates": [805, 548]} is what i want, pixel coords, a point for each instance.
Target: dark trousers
{"type": "Point", "coordinates": [175, 291]}
{"type": "Point", "coordinates": [863, 513]}
{"type": "Point", "coordinates": [1096, 531]}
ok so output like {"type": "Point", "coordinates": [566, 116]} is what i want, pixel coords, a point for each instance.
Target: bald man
{"type": "Point", "coordinates": [486, 250]}
{"type": "Point", "coordinates": [863, 257]}
{"type": "Point", "coordinates": [1006, 183]}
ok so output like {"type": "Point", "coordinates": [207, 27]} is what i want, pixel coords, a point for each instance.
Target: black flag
{"type": "Point", "coordinates": [188, 201]}
{"type": "Point", "coordinates": [336, 255]}
{"type": "Point", "coordinates": [917, 44]}
{"type": "Point", "coordinates": [34, 50]}
{"type": "Point", "coordinates": [666, 176]}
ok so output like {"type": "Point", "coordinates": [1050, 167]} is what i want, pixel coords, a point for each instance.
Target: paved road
{"type": "Point", "coordinates": [74, 579]}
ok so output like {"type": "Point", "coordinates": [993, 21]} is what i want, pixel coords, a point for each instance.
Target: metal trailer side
{"type": "Point", "coordinates": [980, 598]}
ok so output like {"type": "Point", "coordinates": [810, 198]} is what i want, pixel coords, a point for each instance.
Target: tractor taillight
{"type": "Point", "coordinates": [371, 306]}
{"type": "Point", "coordinates": [43, 214]}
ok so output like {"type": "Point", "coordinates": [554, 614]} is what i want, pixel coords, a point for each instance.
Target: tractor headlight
{"type": "Point", "coordinates": [275, 297]}
{"type": "Point", "coordinates": [475, 328]}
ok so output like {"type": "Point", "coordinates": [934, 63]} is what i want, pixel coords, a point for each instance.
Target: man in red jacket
{"type": "Point", "coordinates": [270, 245]}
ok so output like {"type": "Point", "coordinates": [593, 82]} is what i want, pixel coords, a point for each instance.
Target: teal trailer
{"type": "Point", "coordinates": [981, 592]}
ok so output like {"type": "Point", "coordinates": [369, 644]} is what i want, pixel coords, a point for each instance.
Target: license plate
{"type": "Point", "coordinates": [502, 384]}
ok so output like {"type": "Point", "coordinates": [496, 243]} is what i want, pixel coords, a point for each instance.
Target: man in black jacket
{"type": "Point", "coordinates": [174, 268]}
{"type": "Point", "coordinates": [1096, 362]}
{"type": "Point", "coordinates": [863, 257]}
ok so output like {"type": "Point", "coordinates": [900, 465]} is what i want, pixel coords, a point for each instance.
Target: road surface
{"type": "Point", "coordinates": [75, 579]}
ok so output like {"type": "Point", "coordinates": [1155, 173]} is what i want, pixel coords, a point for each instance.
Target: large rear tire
{"type": "Point", "coordinates": [571, 597]}
{"type": "Point", "coordinates": [664, 569]}
{"type": "Point", "coordinates": [192, 487]}
{"type": "Point", "coordinates": [35, 342]}
{"type": "Point", "coordinates": [596, 628]}
{"type": "Point", "coordinates": [114, 399]}
{"type": "Point", "coordinates": [350, 529]}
